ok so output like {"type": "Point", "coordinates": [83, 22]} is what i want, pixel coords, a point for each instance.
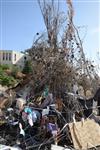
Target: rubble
{"type": "Point", "coordinates": [36, 121]}
{"type": "Point", "coordinates": [33, 125]}
{"type": "Point", "coordinates": [45, 110]}
{"type": "Point", "coordinates": [4, 147]}
{"type": "Point", "coordinates": [85, 134]}
{"type": "Point", "coordinates": [55, 147]}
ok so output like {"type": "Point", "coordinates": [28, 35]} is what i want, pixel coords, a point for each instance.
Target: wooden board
{"type": "Point", "coordinates": [85, 135]}
{"type": "Point", "coordinates": [55, 147]}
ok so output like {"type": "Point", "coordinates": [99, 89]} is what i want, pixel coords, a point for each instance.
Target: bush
{"type": "Point", "coordinates": [27, 67]}
{"type": "Point", "coordinates": [1, 71]}
{"type": "Point", "coordinates": [4, 67]}
{"type": "Point", "coordinates": [14, 71]}
{"type": "Point", "coordinates": [7, 80]}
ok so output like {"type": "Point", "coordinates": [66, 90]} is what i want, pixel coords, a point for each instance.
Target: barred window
{"type": "Point", "coordinates": [15, 57]}
{"type": "Point", "coordinates": [9, 56]}
{"type": "Point", "coordinates": [6, 56]}
{"type": "Point", "coordinates": [3, 56]}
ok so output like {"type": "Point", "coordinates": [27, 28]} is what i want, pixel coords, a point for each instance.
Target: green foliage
{"type": "Point", "coordinates": [7, 80]}
{"type": "Point", "coordinates": [5, 66]}
{"type": "Point", "coordinates": [27, 67]}
{"type": "Point", "coordinates": [1, 71]}
{"type": "Point", "coordinates": [15, 69]}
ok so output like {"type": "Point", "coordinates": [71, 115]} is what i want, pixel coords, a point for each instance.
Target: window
{"type": "Point", "coordinates": [6, 56]}
{"type": "Point", "coordinates": [15, 57]}
{"type": "Point", "coordinates": [3, 56]}
{"type": "Point", "coordinates": [25, 58]}
{"type": "Point", "coordinates": [9, 56]}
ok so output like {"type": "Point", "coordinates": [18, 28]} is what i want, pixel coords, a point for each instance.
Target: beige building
{"type": "Point", "coordinates": [12, 57]}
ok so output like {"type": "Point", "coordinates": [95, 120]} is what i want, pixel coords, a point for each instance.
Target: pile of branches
{"type": "Point", "coordinates": [57, 55]}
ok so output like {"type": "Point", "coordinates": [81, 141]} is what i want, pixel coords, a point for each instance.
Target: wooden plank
{"type": "Point", "coordinates": [85, 135]}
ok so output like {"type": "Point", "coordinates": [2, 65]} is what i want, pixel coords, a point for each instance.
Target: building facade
{"type": "Point", "coordinates": [11, 57]}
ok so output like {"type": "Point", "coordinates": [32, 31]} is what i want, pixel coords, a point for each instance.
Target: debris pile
{"type": "Point", "coordinates": [45, 111]}
{"type": "Point", "coordinates": [44, 122]}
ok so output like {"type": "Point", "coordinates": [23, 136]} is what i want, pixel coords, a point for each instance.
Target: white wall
{"type": "Point", "coordinates": [6, 59]}
{"type": "Point", "coordinates": [17, 58]}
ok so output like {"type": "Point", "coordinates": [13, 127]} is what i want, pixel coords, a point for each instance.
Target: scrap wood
{"type": "Point", "coordinates": [59, 104]}
{"type": "Point", "coordinates": [4, 147]}
{"type": "Point", "coordinates": [85, 135]}
{"type": "Point", "coordinates": [4, 103]}
{"type": "Point", "coordinates": [56, 147]}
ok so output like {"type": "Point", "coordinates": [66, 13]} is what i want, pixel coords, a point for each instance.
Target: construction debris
{"type": "Point", "coordinates": [41, 121]}
{"type": "Point", "coordinates": [55, 147]}
{"type": "Point", "coordinates": [4, 147]}
{"type": "Point", "coordinates": [44, 111]}
{"type": "Point", "coordinates": [85, 134]}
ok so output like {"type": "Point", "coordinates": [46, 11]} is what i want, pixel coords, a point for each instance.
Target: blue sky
{"type": "Point", "coordinates": [22, 19]}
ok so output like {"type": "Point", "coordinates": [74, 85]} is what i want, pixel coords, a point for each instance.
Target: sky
{"type": "Point", "coordinates": [20, 20]}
